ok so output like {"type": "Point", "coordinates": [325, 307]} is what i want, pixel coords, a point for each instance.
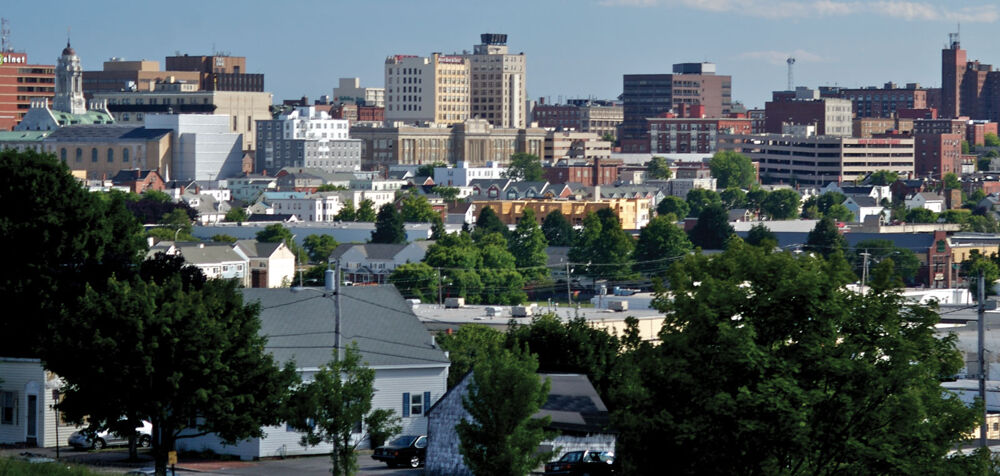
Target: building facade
{"type": "Point", "coordinates": [819, 160]}
{"type": "Point", "coordinates": [831, 116]}
{"type": "Point", "coordinates": [428, 89]}
{"type": "Point", "coordinates": [575, 145]}
{"type": "Point", "coordinates": [684, 135]}
{"type": "Point", "coordinates": [650, 95]}
{"type": "Point", "coordinates": [937, 154]}
{"type": "Point", "coordinates": [633, 213]}
{"type": "Point", "coordinates": [142, 75]}
{"type": "Point", "coordinates": [886, 101]}
{"type": "Point", "coordinates": [349, 91]}
{"type": "Point", "coordinates": [100, 151]}
{"type": "Point", "coordinates": [307, 137]}
{"type": "Point", "coordinates": [498, 86]}
{"type": "Point", "coordinates": [203, 146]}
{"type": "Point", "coordinates": [218, 72]}
{"type": "Point", "coordinates": [600, 117]}
{"type": "Point", "coordinates": [20, 84]}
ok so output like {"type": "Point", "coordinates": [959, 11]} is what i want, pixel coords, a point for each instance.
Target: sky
{"type": "Point", "coordinates": [574, 48]}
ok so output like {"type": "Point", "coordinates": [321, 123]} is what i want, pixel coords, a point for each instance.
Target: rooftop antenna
{"type": "Point", "coordinates": [791, 78]}
{"type": "Point", "coordinates": [5, 36]}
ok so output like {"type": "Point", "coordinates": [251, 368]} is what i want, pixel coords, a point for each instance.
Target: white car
{"type": "Point", "coordinates": [88, 439]}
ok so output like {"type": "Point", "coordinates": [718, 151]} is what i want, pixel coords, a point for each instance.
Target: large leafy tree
{"type": "Point", "coordinates": [347, 212]}
{"type": "Point", "coordinates": [319, 247]}
{"type": "Point", "coordinates": [60, 236]}
{"type": "Point", "coordinates": [781, 204]}
{"type": "Point", "coordinates": [671, 204]}
{"type": "Point", "coordinates": [604, 245]}
{"type": "Point", "coordinates": [236, 214]}
{"type": "Point", "coordinates": [761, 235]}
{"type": "Point", "coordinates": [502, 437]}
{"type": "Point", "coordinates": [732, 169]}
{"type": "Point", "coordinates": [806, 378]}
{"type": "Point", "coordinates": [416, 281]}
{"type": "Point", "coordinates": [488, 222]}
{"type": "Point", "coordinates": [558, 230]}
{"type": "Point", "coordinates": [389, 226]}
{"type": "Point", "coordinates": [825, 238]}
{"type": "Point", "coordinates": [527, 244]}
{"type": "Point", "coordinates": [906, 264]}
{"type": "Point", "coordinates": [712, 230]}
{"type": "Point", "coordinates": [480, 271]}
{"type": "Point", "coordinates": [467, 346]}
{"type": "Point", "coordinates": [658, 168]}
{"type": "Point", "coordinates": [365, 211]}
{"type": "Point", "coordinates": [327, 409]}
{"type": "Point", "coordinates": [659, 242]}
{"type": "Point", "coordinates": [883, 177]}
{"type": "Point", "coordinates": [699, 199]}
{"type": "Point", "coordinates": [416, 209]}
{"type": "Point", "coordinates": [733, 198]}
{"type": "Point", "coordinates": [169, 346]}
{"type": "Point", "coordinates": [524, 167]}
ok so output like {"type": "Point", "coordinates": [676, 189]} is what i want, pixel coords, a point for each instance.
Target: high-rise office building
{"type": "Point", "coordinates": [20, 82]}
{"type": "Point", "coordinates": [499, 83]}
{"type": "Point", "coordinates": [427, 89]}
{"type": "Point", "coordinates": [650, 95]}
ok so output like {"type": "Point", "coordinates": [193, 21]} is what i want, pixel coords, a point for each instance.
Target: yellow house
{"type": "Point", "coordinates": [633, 213]}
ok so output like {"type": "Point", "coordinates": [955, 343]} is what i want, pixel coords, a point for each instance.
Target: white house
{"type": "Point", "coordinates": [863, 206]}
{"type": "Point", "coordinates": [578, 416]}
{"type": "Point", "coordinates": [927, 200]}
{"type": "Point", "coordinates": [216, 260]}
{"type": "Point", "coordinates": [878, 192]}
{"type": "Point", "coordinates": [378, 197]}
{"type": "Point", "coordinates": [318, 207]}
{"type": "Point", "coordinates": [272, 265]}
{"type": "Point", "coordinates": [250, 187]}
{"type": "Point", "coordinates": [411, 372]}
{"type": "Point", "coordinates": [374, 262]}
{"type": "Point", "coordinates": [460, 175]}
{"type": "Point", "coordinates": [27, 395]}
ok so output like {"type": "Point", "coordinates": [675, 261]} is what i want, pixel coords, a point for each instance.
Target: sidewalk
{"type": "Point", "coordinates": [117, 458]}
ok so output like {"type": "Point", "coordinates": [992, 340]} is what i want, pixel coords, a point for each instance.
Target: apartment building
{"type": "Point", "coordinates": [350, 91]}
{"type": "Point", "coordinates": [307, 137]}
{"type": "Point", "coordinates": [600, 117]}
{"type": "Point", "coordinates": [427, 89]}
{"type": "Point", "coordinates": [498, 83]}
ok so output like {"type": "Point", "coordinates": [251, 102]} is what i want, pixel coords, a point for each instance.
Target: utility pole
{"type": "Point", "coordinates": [864, 271]}
{"type": "Point", "coordinates": [440, 291]}
{"type": "Point", "coordinates": [569, 294]}
{"type": "Point", "coordinates": [336, 304]}
{"type": "Point", "coordinates": [982, 356]}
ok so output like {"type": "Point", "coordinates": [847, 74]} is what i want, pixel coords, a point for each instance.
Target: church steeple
{"type": "Point", "coordinates": [69, 83]}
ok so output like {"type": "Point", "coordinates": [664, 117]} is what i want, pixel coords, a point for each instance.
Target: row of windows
{"type": "Point", "coordinates": [93, 154]}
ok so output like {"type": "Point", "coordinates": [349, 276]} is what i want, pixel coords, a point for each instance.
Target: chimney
{"type": "Point", "coordinates": [597, 193]}
{"type": "Point", "coordinates": [330, 280]}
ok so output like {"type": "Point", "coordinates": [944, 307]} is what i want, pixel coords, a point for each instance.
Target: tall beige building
{"type": "Point", "coordinates": [499, 91]}
{"type": "Point", "coordinates": [427, 89]}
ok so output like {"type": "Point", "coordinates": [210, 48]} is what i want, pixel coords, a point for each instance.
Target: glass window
{"type": "Point", "coordinates": [111, 155]}
{"type": "Point", "coordinates": [79, 154]}
{"type": "Point", "coordinates": [8, 408]}
{"type": "Point", "coordinates": [416, 404]}
{"type": "Point", "coordinates": [62, 154]}
{"type": "Point", "coordinates": [124, 155]}
{"type": "Point", "coordinates": [93, 154]}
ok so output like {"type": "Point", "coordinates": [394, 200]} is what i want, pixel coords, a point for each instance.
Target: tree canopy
{"type": "Point", "coordinates": [761, 235]}
{"type": "Point", "coordinates": [524, 168]}
{"type": "Point", "coordinates": [558, 230]}
{"type": "Point", "coordinates": [416, 209]}
{"type": "Point", "coordinates": [365, 211]}
{"type": "Point", "coordinates": [416, 281]}
{"type": "Point", "coordinates": [319, 247]}
{"type": "Point", "coordinates": [883, 177]}
{"type": "Point", "coordinates": [659, 241]}
{"type": "Point", "coordinates": [388, 226]}
{"type": "Point", "coordinates": [672, 204]}
{"type": "Point", "coordinates": [277, 233]}
{"type": "Point", "coordinates": [658, 168]}
{"type": "Point", "coordinates": [604, 244]}
{"type": "Point", "coordinates": [488, 222]}
{"type": "Point", "coordinates": [699, 199]}
{"type": "Point", "coordinates": [713, 228]}
{"type": "Point", "coordinates": [781, 204]}
{"type": "Point", "coordinates": [732, 169]}
{"type": "Point", "coordinates": [825, 238]}
{"type": "Point", "coordinates": [527, 244]}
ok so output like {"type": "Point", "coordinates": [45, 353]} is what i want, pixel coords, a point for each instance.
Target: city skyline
{"type": "Point", "coordinates": [573, 49]}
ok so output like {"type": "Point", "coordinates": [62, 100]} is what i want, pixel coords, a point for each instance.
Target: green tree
{"type": "Point", "coordinates": [557, 229]}
{"type": "Point", "coordinates": [658, 169]}
{"type": "Point", "coordinates": [906, 264]}
{"type": "Point", "coordinates": [365, 211]}
{"type": "Point", "coordinates": [319, 247]}
{"type": "Point", "coordinates": [660, 241]}
{"type": "Point", "coordinates": [236, 214]}
{"type": "Point", "coordinates": [675, 205]}
{"type": "Point", "coordinates": [388, 226]}
{"type": "Point", "coordinates": [839, 212]}
{"type": "Point", "coordinates": [524, 168]}
{"type": "Point", "coordinates": [277, 233]}
{"type": "Point", "coordinates": [177, 349]}
{"type": "Point", "coordinates": [699, 199]}
{"type": "Point", "coordinates": [481, 271]}
{"type": "Point", "coordinates": [755, 198]}
{"type": "Point", "coordinates": [712, 230]}
{"type": "Point", "coordinates": [501, 437]}
{"type": "Point", "coordinates": [416, 281]}
{"type": "Point", "coordinates": [605, 245]}
{"type": "Point", "coordinates": [921, 215]}
{"type": "Point", "coordinates": [466, 347]}
{"type": "Point", "coordinates": [329, 187]}
{"type": "Point", "coordinates": [825, 238]}
{"type": "Point", "coordinates": [885, 277]}
{"type": "Point", "coordinates": [733, 198]}
{"type": "Point", "coordinates": [976, 263]}
{"type": "Point", "coordinates": [427, 170]}
{"type": "Point", "coordinates": [327, 408]}
{"type": "Point", "coordinates": [761, 235]}
{"type": "Point", "coordinates": [883, 177]}
{"type": "Point", "coordinates": [855, 390]}
{"type": "Point", "coordinates": [527, 244]}
{"type": "Point", "coordinates": [222, 238]}
{"type": "Point", "coordinates": [965, 147]}
{"type": "Point", "coordinates": [781, 204]}
{"type": "Point", "coordinates": [63, 235]}
{"type": "Point", "coordinates": [347, 212]}
{"type": "Point", "coordinates": [951, 181]}
{"type": "Point", "coordinates": [981, 224]}
{"type": "Point", "coordinates": [488, 222]}
{"type": "Point", "coordinates": [732, 169]}
{"type": "Point", "coordinates": [810, 208]}
{"type": "Point", "coordinates": [991, 140]}
{"type": "Point", "coordinates": [447, 193]}
{"type": "Point", "coordinates": [416, 209]}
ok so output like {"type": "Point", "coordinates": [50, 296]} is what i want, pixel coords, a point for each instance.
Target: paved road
{"type": "Point", "coordinates": [306, 466]}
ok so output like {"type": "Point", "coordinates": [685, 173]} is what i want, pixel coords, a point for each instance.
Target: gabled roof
{"type": "Point", "coordinates": [484, 184]}
{"type": "Point", "coordinates": [89, 117]}
{"type": "Point", "coordinates": [207, 253]}
{"type": "Point", "coordinates": [256, 249]}
{"type": "Point", "coordinates": [277, 217]}
{"type": "Point", "coordinates": [863, 200]}
{"type": "Point", "coordinates": [300, 326]}
{"type": "Point", "coordinates": [383, 251]}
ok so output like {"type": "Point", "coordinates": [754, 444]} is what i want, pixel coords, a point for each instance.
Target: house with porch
{"type": "Point", "coordinates": [374, 262]}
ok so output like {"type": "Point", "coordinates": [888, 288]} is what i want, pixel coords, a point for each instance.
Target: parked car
{"type": "Point", "coordinates": [90, 439]}
{"type": "Point", "coordinates": [409, 450]}
{"type": "Point", "coordinates": [592, 463]}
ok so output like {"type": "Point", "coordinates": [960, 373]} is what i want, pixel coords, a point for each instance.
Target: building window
{"type": "Point", "coordinates": [62, 154]}
{"type": "Point", "coordinates": [79, 154]}
{"type": "Point", "coordinates": [124, 155]}
{"type": "Point", "coordinates": [8, 408]}
{"type": "Point", "coordinates": [414, 404]}
{"type": "Point", "coordinates": [111, 155]}
{"type": "Point", "coordinates": [93, 155]}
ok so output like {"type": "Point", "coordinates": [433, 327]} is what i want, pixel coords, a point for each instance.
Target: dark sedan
{"type": "Point", "coordinates": [408, 450]}
{"type": "Point", "coordinates": [592, 463]}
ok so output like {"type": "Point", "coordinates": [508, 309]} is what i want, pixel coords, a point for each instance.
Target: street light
{"type": "Point", "coordinates": [331, 288]}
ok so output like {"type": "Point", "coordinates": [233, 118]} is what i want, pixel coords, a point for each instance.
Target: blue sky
{"type": "Point", "coordinates": [575, 48]}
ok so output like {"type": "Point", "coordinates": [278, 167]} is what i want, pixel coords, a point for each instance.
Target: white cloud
{"type": "Point", "coordinates": [781, 9]}
{"type": "Point", "coordinates": [778, 57]}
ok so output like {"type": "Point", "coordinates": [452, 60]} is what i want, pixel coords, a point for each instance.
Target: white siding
{"type": "Point", "coordinates": [246, 449]}
{"type": "Point", "coordinates": [20, 375]}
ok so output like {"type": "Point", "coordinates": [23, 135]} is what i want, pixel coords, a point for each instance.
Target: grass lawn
{"type": "Point", "coordinates": [15, 467]}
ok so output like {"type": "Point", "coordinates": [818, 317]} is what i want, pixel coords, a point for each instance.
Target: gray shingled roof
{"type": "Point", "coordinates": [256, 249]}
{"type": "Point", "coordinates": [208, 253]}
{"type": "Point", "coordinates": [863, 200]}
{"type": "Point", "coordinates": [300, 326]}
{"type": "Point", "coordinates": [371, 250]}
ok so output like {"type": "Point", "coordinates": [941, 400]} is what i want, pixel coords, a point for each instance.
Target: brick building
{"type": "Point", "coordinates": [20, 82]}
{"type": "Point", "coordinates": [218, 72]}
{"type": "Point", "coordinates": [592, 172]}
{"type": "Point", "coordinates": [937, 154]}
{"type": "Point", "coordinates": [831, 116]}
{"type": "Point", "coordinates": [687, 135]}
{"type": "Point", "coordinates": [885, 101]}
